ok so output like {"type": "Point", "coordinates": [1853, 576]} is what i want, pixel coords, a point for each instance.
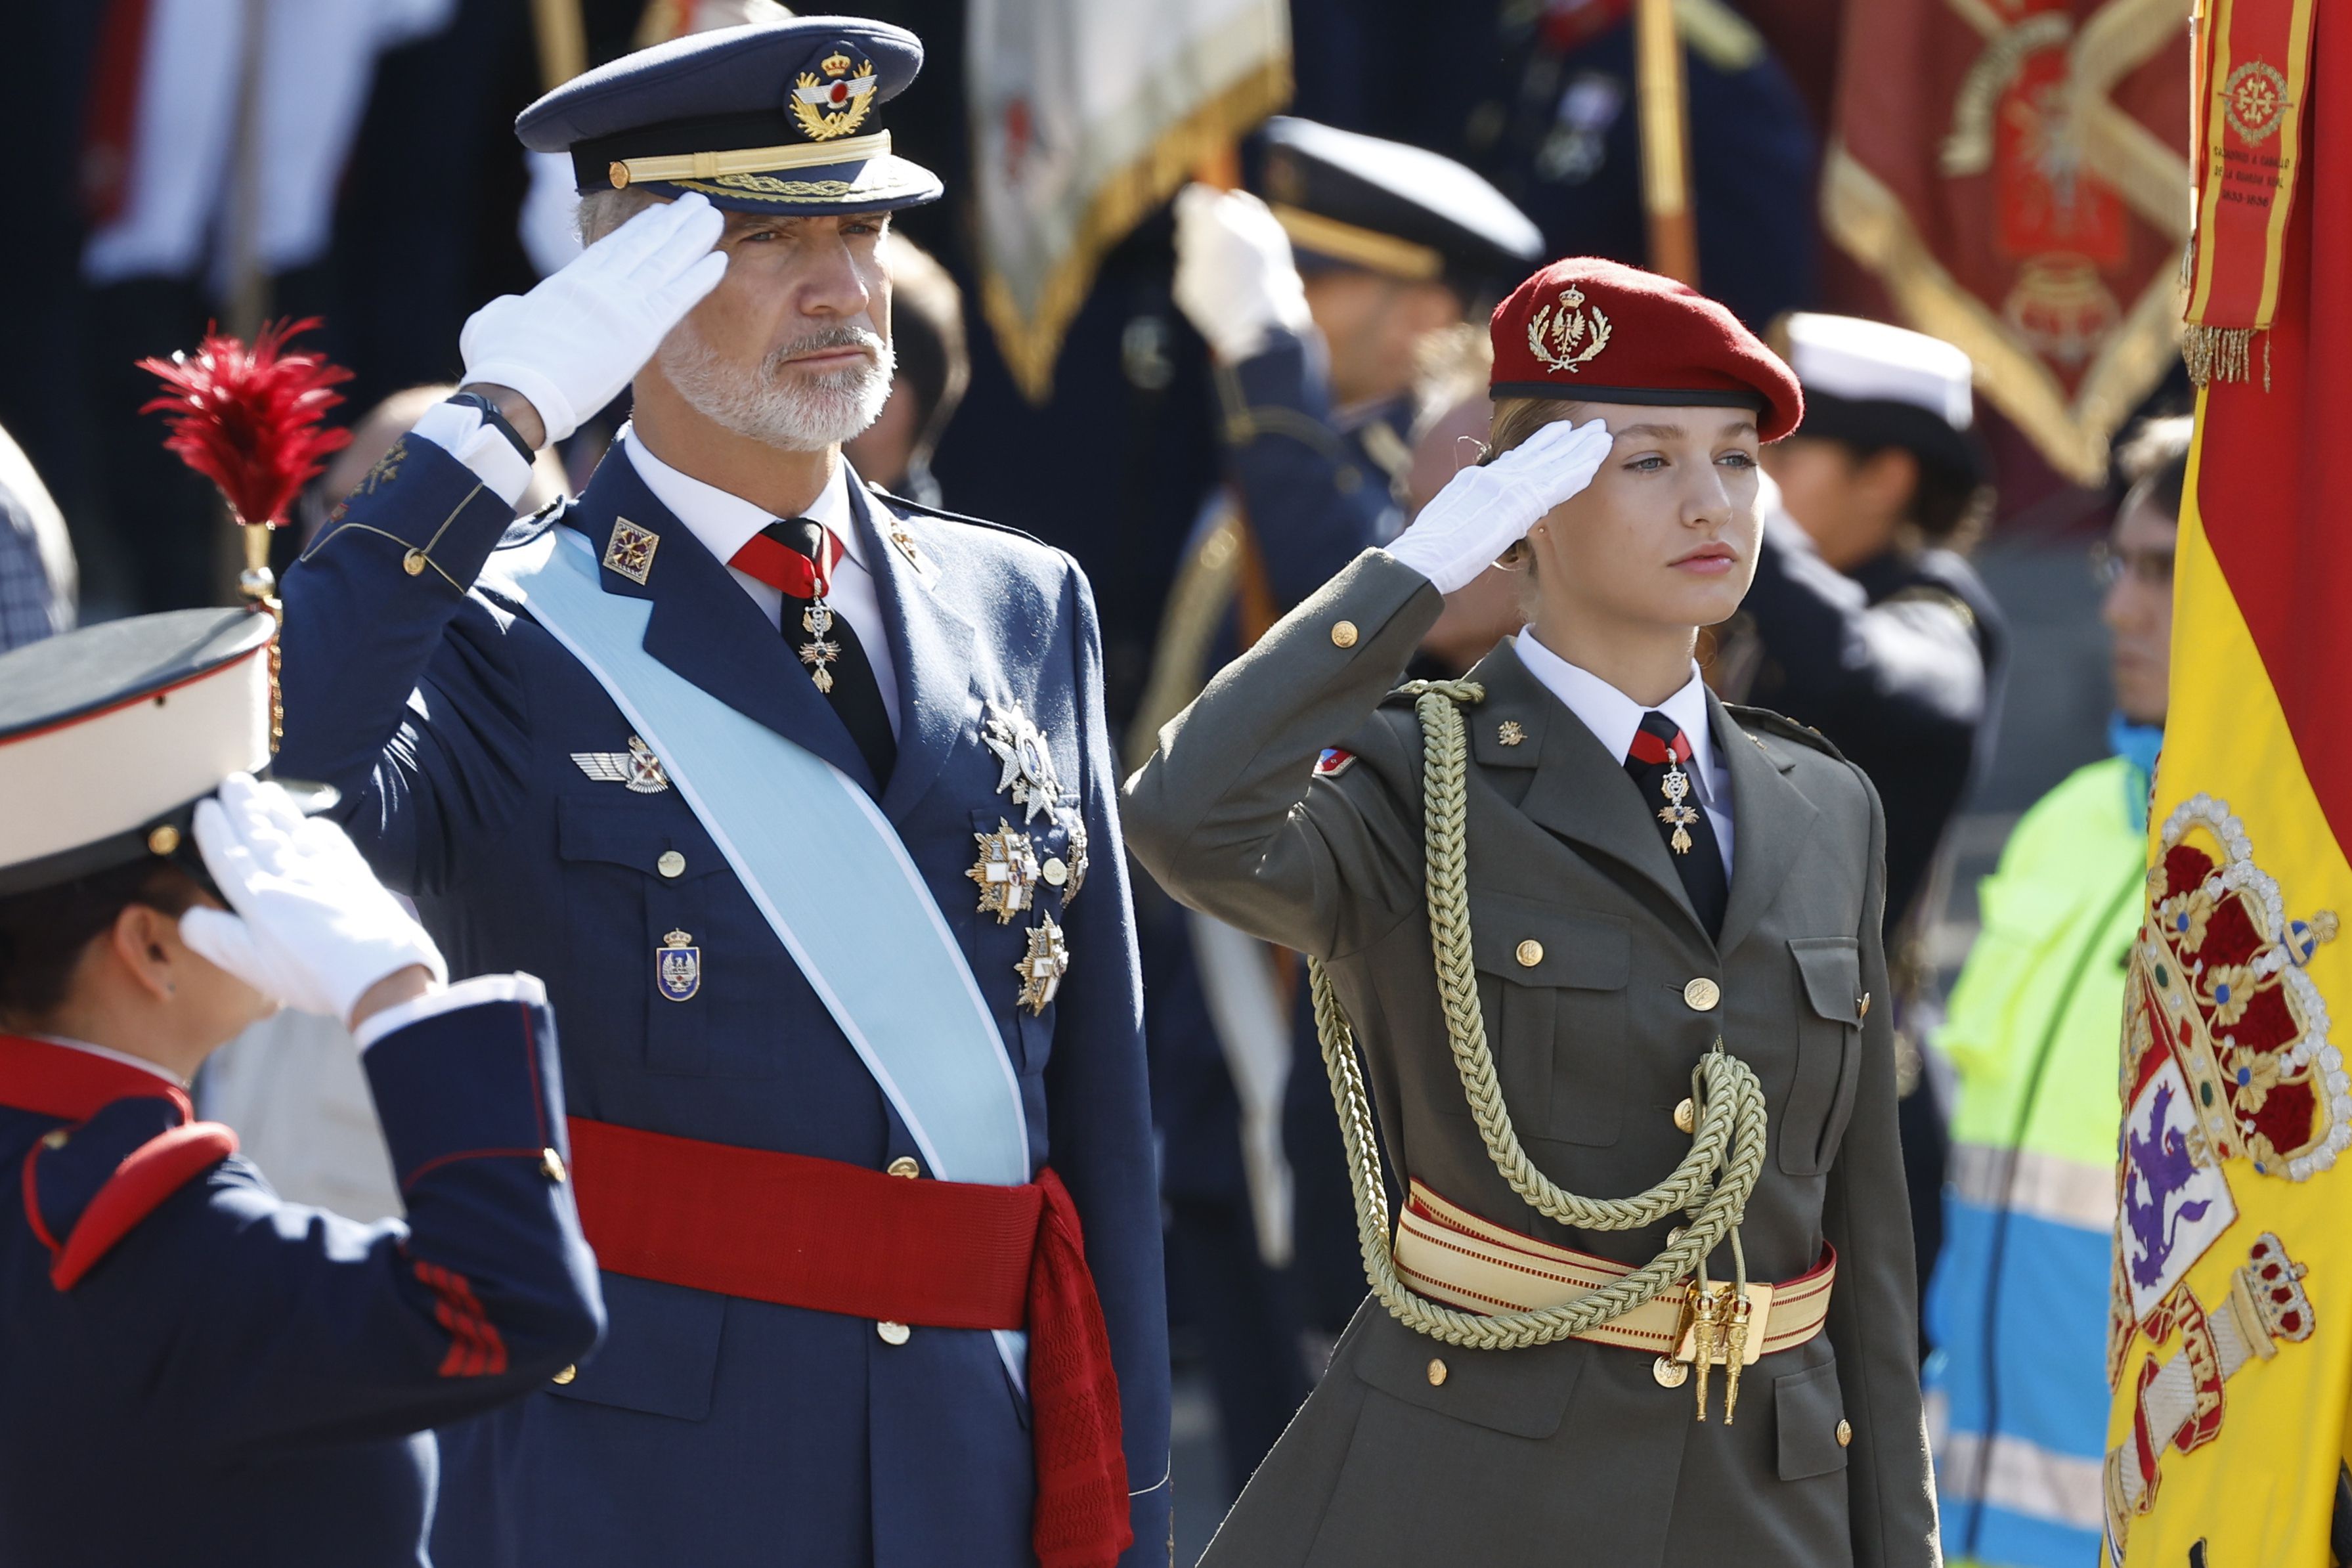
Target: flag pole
{"type": "Point", "coordinates": [562, 39]}
{"type": "Point", "coordinates": [1663, 96]}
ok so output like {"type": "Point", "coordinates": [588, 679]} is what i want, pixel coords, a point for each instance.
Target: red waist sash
{"type": "Point", "coordinates": [804, 1232]}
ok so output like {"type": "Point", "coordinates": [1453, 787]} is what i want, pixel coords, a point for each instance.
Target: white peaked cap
{"type": "Point", "coordinates": [1845, 356]}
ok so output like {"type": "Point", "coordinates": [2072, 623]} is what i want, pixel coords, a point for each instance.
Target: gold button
{"type": "Point", "coordinates": [1685, 1115]}
{"type": "Point", "coordinates": [164, 840]}
{"type": "Point", "coordinates": [1344, 635]}
{"type": "Point", "coordinates": [413, 563]}
{"type": "Point", "coordinates": [892, 1333]}
{"type": "Point", "coordinates": [1530, 953]}
{"type": "Point", "coordinates": [671, 864]}
{"type": "Point", "coordinates": [1844, 1433]}
{"type": "Point", "coordinates": [1436, 1373]}
{"type": "Point", "coordinates": [617, 173]}
{"type": "Point", "coordinates": [1057, 870]}
{"type": "Point", "coordinates": [1670, 1373]}
{"type": "Point", "coordinates": [551, 1166]}
{"type": "Point", "coordinates": [1702, 994]}
{"type": "Point", "coordinates": [55, 1138]}
{"type": "Point", "coordinates": [905, 1165]}
{"type": "Point", "coordinates": [566, 1375]}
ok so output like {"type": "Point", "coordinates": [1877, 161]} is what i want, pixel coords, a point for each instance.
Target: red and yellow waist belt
{"type": "Point", "coordinates": [834, 1238]}
{"type": "Point", "coordinates": [1455, 1257]}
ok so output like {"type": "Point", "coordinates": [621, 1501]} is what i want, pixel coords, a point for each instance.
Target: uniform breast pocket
{"type": "Point", "coordinates": [1552, 982]}
{"type": "Point", "coordinates": [668, 990]}
{"type": "Point", "coordinates": [1829, 1051]}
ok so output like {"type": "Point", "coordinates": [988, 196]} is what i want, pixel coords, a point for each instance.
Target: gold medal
{"type": "Point", "coordinates": [1675, 813]}
{"type": "Point", "coordinates": [1007, 872]}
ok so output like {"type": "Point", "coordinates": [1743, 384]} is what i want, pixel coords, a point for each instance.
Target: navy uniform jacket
{"type": "Point", "coordinates": [240, 1380]}
{"type": "Point", "coordinates": [711, 1430]}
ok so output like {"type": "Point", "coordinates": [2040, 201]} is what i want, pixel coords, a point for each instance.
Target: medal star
{"type": "Point", "coordinates": [1007, 872]}
{"type": "Point", "coordinates": [1042, 968]}
{"type": "Point", "coordinates": [1020, 746]}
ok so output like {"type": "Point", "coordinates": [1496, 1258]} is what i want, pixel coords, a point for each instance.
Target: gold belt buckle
{"type": "Point", "coordinates": [1760, 1313]}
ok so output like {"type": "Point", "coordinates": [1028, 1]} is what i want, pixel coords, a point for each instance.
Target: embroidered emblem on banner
{"type": "Point", "coordinates": [831, 100]}
{"type": "Point", "coordinates": [1028, 765]}
{"type": "Point", "coordinates": [2255, 100]}
{"type": "Point", "coordinates": [630, 551]}
{"type": "Point", "coordinates": [637, 768]}
{"type": "Point", "coordinates": [1043, 966]}
{"type": "Point", "coordinates": [1007, 872]}
{"type": "Point", "coordinates": [2226, 1058]}
{"type": "Point", "coordinates": [678, 967]}
{"type": "Point", "coordinates": [1564, 337]}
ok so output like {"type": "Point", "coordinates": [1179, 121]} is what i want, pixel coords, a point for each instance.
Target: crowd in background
{"type": "Point", "coordinates": [389, 200]}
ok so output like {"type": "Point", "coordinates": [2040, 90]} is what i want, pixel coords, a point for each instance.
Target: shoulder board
{"type": "Point", "coordinates": [1719, 34]}
{"type": "Point", "coordinates": [1333, 763]}
{"type": "Point", "coordinates": [1782, 727]}
{"type": "Point", "coordinates": [919, 510]}
{"type": "Point", "coordinates": [79, 1230]}
{"type": "Point", "coordinates": [1935, 594]}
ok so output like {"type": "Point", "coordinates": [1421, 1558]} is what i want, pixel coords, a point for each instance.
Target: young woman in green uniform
{"type": "Point", "coordinates": [1600, 952]}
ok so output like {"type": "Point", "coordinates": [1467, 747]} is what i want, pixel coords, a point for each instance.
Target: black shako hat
{"type": "Point", "coordinates": [778, 117]}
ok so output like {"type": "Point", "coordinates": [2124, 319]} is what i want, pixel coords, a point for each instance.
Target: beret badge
{"type": "Point", "coordinates": [1563, 337]}
{"type": "Point", "coordinates": [833, 99]}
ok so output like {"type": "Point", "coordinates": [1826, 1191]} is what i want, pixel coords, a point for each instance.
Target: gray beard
{"type": "Point", "coordinates": [793, 412]}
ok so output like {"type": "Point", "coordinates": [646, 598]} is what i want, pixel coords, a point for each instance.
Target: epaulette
{"type": "Point", "coordinates": [88, 1187]}
{"type": "Point", "coordinates": [1784, 727]}
{"type": "Point", "coordinates": [918, 508]}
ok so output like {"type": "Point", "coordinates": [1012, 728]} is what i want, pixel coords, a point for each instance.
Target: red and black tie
{"type": "Point", "coordinates": [1657, 762]}
{"type": "Point", "coordinates": [797, 559]}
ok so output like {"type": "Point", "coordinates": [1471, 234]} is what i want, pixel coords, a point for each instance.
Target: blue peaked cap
{"type": "Point", "coordinates": [778, 117]}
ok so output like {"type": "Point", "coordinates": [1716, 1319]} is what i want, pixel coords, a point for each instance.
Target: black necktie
{"type": "Point", "coordinates": [1656, 763]}
{"type": "Point", "coordinates": [828, 646]}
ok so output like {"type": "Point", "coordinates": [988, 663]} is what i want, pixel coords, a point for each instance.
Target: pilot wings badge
{"type": "Point", "coordinates": [1564, 336]}
{"type": "Point", "coordinates": [835, 103]}
{"type": "Point", "coordinates": [637, 768]}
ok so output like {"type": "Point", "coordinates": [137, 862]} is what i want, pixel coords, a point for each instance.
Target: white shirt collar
{"type": "Point", "coordinates": [125, 1058]}
{"type": "Point", "coordinates": [1613, 717]}
{"type": "Point", "coordinates": [726, 522]}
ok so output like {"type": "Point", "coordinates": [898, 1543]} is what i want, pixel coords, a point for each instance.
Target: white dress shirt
{"type": "Point", "coordinates": [1614, 719]}
{"type": "Point", "coordinates": [725, 523]}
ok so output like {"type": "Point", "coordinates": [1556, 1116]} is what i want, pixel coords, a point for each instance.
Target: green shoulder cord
{"type": "Point", "coordinates": [1712, 1183]}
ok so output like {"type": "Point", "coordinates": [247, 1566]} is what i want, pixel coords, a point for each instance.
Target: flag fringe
{"type": "Point", "coordinates": [2223, 353]}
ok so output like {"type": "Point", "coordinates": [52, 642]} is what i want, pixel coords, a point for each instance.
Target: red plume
{"type": "Point", "coordinates": [247, 418]}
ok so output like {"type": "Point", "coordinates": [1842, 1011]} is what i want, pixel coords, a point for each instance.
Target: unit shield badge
{"type": "Point", "coordinates": [1043, 966]}
{"type": "Point", "coordinates": [678, 967]}
{"type": "Point", "coordinates": [1028, 765]}
{"type": "Point", "coordinates": [1007, 872]}
{"type": "Point", "coordinates": [833, 99]}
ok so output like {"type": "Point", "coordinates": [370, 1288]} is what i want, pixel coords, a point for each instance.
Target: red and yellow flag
{"type": "Point", "coordinates": [2231, 1337]}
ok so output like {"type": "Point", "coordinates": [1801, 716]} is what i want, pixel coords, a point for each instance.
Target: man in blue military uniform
{"type": "Point", "coordinates": [1319, 301]}
{"type": "Point", "coordinates": [801, 797]}
{"type": "Point", "coordinates": [196, 1371]}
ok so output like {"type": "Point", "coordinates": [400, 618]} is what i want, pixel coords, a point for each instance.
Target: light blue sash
{"type": "Point", "coordinates": [829, 873]}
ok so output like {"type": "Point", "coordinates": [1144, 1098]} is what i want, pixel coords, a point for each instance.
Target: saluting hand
{"type": "Point", "coordinates": [571, 344]}
{"type": "Point", "coordinates": [1484, 510]}
{"type": "Point", "coordinates": [311, 927]}
{"type": "Point", "coordinates": [1235, 280]}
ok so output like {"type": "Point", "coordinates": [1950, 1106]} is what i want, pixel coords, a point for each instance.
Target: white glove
{"type": "Point", "coordinates": [1236, 281]}
{"type": "Point", "coordinates": [1482, 512]}
{"type": "Point", "coordinates": [313, 928]}
{"type": "Point", "coordinates": [572, 343]}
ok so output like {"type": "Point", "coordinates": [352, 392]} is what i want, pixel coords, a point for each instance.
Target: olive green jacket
{"type": "Point", "coordinates": [1569, 1453]}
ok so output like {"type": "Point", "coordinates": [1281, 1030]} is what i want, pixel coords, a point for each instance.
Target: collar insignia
{"type": "Point", "coordinates": [630, 551]}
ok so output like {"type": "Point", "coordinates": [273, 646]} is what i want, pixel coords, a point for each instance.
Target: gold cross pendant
{"type": "Point", "coordinates": [1675, 813]}
{"type": "Point", "coordinates": [817, 653]}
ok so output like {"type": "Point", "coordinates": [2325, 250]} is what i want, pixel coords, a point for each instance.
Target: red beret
{"type": "Point", "coordinates": [1601, 331]}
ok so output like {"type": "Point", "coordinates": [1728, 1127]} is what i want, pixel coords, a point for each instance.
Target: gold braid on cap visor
{"type": "Point", "coordinates": [626, 172]}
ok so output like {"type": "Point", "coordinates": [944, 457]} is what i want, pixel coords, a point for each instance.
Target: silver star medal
{"type": "Point", "coordinates": [1675, 813]}
{"type": "Point", "coordinates": [1043, 966]}
{"type": "Point", "coordinates": [637, 768]}
{"type": "Point", "coordinates": [1028, 765]}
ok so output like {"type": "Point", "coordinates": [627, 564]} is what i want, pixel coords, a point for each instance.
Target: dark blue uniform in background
{"type": "Point", "coordinates": [712, 1428]}
{"type": "Point", "coordinates": [197, 1372]}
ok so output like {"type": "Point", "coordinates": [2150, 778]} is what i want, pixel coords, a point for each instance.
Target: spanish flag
{"type": "Point", "coordinates": [2230, 1348]}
